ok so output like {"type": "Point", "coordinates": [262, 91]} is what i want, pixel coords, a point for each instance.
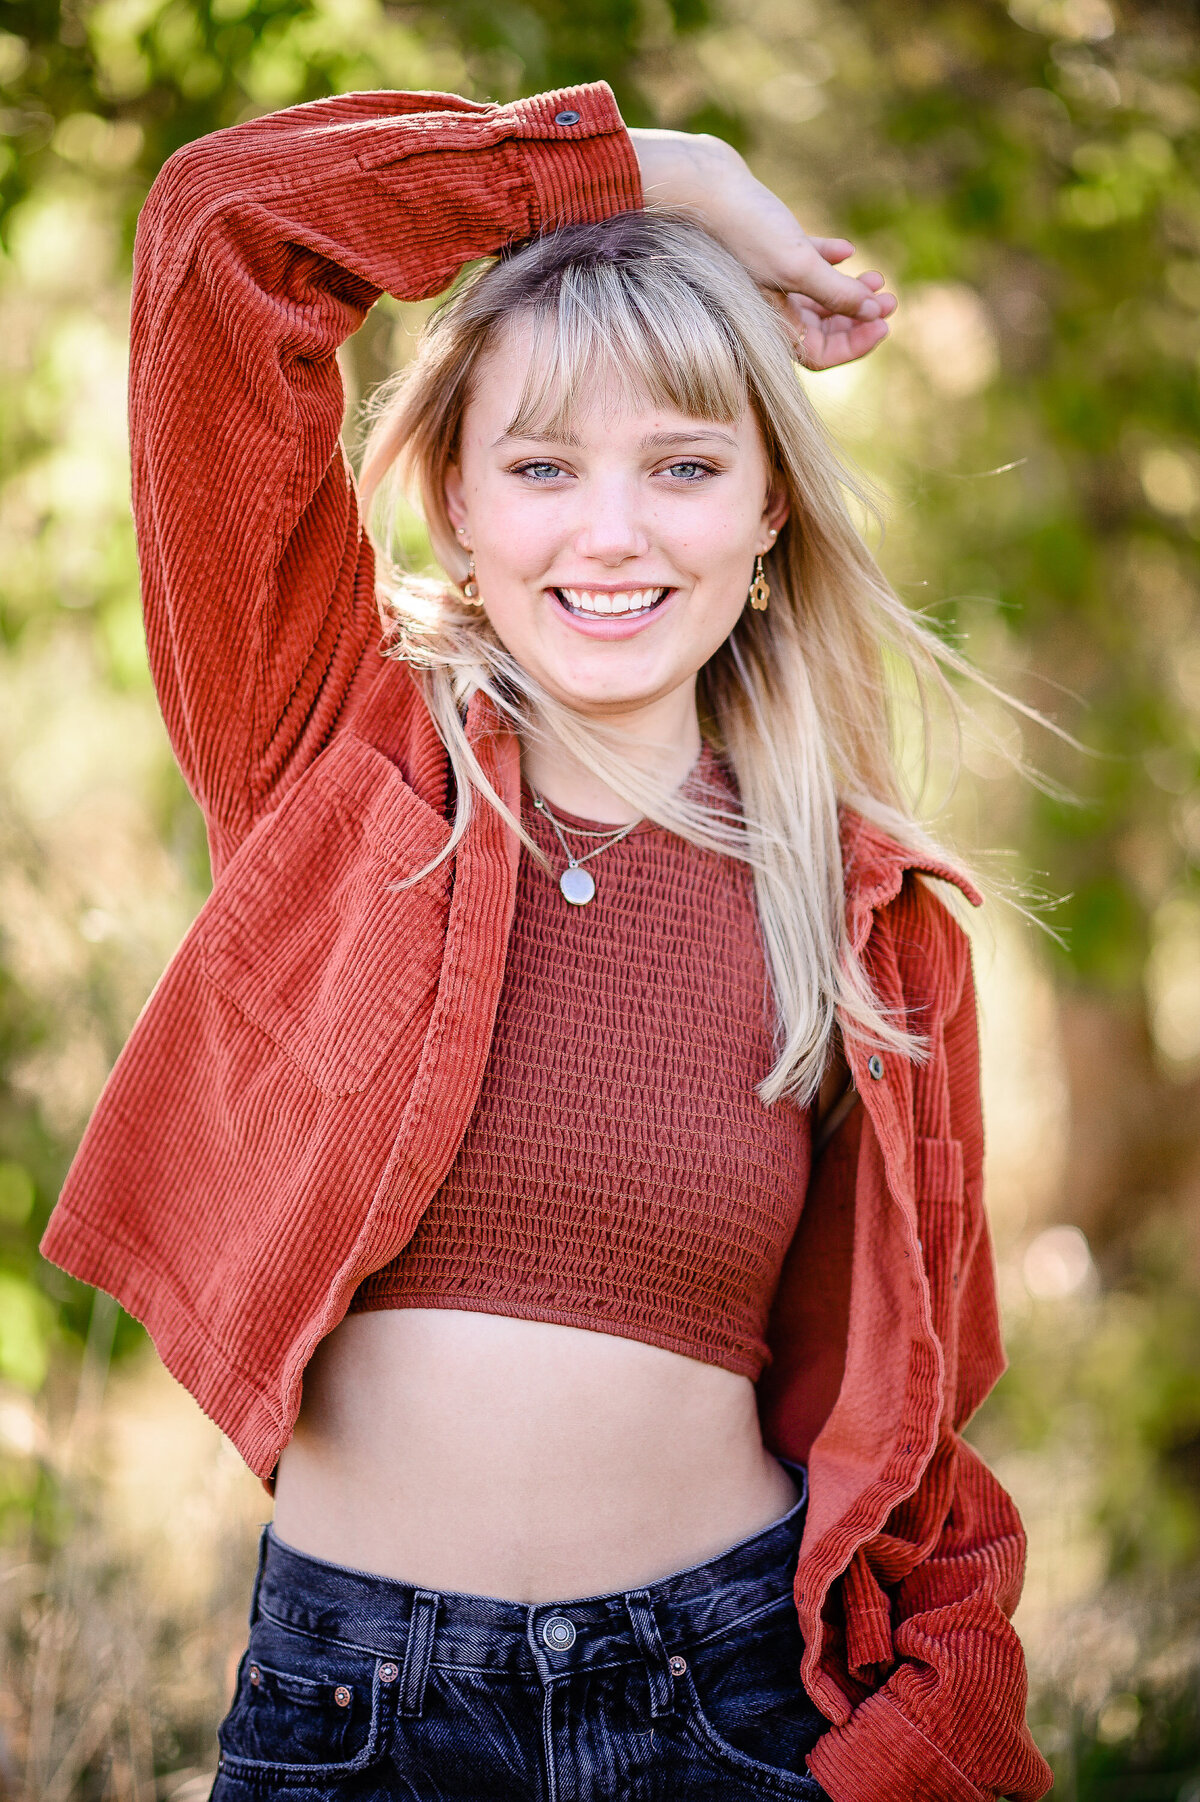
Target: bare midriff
{"type": "Point", "coordinates": [520, 1459]}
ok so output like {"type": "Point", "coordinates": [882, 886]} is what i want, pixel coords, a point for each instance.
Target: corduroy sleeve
{"type": "Point", "coordinates": [259, 251]}
{"type": "Point", "coordinates": [948, 1722]}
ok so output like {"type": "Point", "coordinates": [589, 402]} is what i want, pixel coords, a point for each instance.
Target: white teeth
{"type": "Point", "coordinates": [634, 600]}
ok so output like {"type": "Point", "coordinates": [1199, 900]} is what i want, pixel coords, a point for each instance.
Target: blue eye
{"type": "Point", "coordinates": [689, 471]}
{"type": "Point", "coordinates": [540, 472]}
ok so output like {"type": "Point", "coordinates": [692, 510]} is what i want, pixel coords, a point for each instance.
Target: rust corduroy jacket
{"type": "Point", "coordinates": [299, 1082]}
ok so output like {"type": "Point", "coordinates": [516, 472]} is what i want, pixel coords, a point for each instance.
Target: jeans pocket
{"type": "Point", "coordinates": [304, 1711]}
{"type": "Point", "coordinates": [745, 1706]}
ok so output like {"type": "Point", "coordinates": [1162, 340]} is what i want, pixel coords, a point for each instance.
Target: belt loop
{"type": "Point", "coordinates": [264, 1540]}
{"type": "Point", "coordinates": [417, 1653]}
{"type": "Point", "coordinates": [650, 1645]}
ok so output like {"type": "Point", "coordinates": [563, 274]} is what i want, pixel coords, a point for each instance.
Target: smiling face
{"type": "Point", "coordinates": [613, 558]}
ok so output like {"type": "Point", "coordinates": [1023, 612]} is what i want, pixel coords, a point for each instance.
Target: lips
{"type": "Point", "coordinates": [597, 603]}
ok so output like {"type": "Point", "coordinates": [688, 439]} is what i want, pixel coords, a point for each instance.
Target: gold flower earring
{"type": "Point", "coordinates": [760, 588]}
{"type": "Point", "coordinates": [470, 586]}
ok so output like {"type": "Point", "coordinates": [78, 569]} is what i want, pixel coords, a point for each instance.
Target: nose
{"type": "Point", "coordinates": [611, 529]}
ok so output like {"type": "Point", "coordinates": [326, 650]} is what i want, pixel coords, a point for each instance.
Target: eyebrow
{"type": "Point", "coordinates": [664, 440]}
{"type": "Point", "coordinates": [655, 440]}
{"type": "Point", "coordinates": [510, 437]}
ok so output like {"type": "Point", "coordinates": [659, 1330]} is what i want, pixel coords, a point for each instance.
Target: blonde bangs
{"type": "Point", "coordinates": [610, 332]}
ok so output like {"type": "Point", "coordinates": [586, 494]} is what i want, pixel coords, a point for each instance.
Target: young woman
{"type": "Point", "coordinates": [487, 1163]}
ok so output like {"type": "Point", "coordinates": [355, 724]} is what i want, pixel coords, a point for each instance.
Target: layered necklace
{"type": "Point", "coordinates": [578, 885]}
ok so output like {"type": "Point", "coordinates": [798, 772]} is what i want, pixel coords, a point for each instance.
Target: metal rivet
{"type": "Point", "coordinates": [875, 1066]}
{"type": "Point", "coordinates": [342, 1696]}
{"type": "Point", "coordinates": [567, 118]}
{"type": "Point", "coordinates": [388, 1673]}
{"type": "Point", "coordinates": [558, 1633]}
{"type": "Point", "coordinates": [678, 1666]}
{"type": "Point", "coordinates": [255, 1675]}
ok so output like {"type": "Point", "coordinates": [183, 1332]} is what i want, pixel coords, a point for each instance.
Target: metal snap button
{"type": "Point", "coordinates": [388, 1672]}
{"type": "Point", "coordinates": [255, 1675]}
{"type": "Point", "coordinates": [567, 118]}
{"type": "Point", "coordinates": [558, 1633]}
{"type": "Point", "coordinates": [678, 1666]}
{"type": "Point", "coordinates": [875, 1066]}
{"type": "Point", "coordinates": [342, 1696]}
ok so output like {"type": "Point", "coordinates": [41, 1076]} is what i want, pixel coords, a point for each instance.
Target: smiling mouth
{"type": "Point", "coordinates": [592, 603]}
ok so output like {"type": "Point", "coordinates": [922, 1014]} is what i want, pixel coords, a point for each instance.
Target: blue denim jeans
{"type": "Point", "coordinates": [358, 1688]}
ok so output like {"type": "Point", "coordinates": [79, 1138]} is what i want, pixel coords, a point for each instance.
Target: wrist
{"type": "Point", "coordinates": [680, 168]}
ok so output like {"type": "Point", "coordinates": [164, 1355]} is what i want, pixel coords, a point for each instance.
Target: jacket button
{"type": "Point", "coordinates": [567, 118]}
{"type": "Point", "coordinates": [875, 1066]}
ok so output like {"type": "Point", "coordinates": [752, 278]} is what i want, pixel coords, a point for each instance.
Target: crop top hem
{"type": "Point", "coordinates": [748, 1363]}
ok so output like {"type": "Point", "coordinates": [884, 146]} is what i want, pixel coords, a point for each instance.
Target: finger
{"type": "Point", "coordinates": [803, 270]}
{"type": "Point", "coordinates": [834, 250]}
{"type": "Point", "coordinates": [823, 340]}
{"type": "Point", "coordinates": [829, 350]}
{"type": "Point", "coordinates": [887, 304]}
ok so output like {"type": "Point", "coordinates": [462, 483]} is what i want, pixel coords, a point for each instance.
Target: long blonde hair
{"type": "Point", "coordinates": [797, 698]}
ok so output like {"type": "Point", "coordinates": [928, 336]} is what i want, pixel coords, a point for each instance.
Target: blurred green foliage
{"type": "Point", "coordinates": [1029, 177]}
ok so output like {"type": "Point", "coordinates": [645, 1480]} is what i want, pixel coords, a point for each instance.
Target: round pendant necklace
{"type": "Point", "coordinates": [578, 885]}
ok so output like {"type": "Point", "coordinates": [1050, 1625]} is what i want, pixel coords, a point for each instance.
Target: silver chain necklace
{"type": "Point", "coordinates": [578, 885]}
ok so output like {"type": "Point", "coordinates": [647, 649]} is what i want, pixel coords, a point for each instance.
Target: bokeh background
{"type": "Point", "coordinates": [1029, 177]}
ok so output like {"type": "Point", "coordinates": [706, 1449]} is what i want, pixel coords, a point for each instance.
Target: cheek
{"type": "Point", "coordinates": [515, 532]}
{"type": "Point", "coordinates": [716, 533]}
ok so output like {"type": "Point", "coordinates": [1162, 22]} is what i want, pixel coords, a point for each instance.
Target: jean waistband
{"type": "Point", "coordinates": [380, 1615]}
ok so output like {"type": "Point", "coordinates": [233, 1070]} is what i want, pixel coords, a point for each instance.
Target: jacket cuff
{"type": "Point", "coordinates": [880, 1756]}
{"type": "Point", "coordinates": [583, 170]}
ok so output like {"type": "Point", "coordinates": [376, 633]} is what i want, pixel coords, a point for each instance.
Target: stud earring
{"type": "Point", "coordinates": [470, 587]}
{"type": "Point", "coordinates": [760, 588]}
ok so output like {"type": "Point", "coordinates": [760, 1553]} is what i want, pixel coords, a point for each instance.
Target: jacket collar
{"type": "Point", "coordinates": [873, 870]}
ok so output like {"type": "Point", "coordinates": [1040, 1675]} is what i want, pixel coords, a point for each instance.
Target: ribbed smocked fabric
{"type": "Point", "coordinates": [620, 1171]}
{"type": "Point", "coordinates": [299, 1084]}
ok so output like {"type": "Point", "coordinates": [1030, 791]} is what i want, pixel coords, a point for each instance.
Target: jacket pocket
{"type": "Point", "coordinates": [938, 1182]}
{"type": "Point", "coordinates": [309, 934]}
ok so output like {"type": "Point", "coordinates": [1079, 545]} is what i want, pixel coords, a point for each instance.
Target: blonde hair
{"type": "Point", "coordinates": [797, 699]}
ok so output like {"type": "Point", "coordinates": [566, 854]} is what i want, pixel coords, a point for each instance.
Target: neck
{"type": "Point", "coordinates": [662, 741]}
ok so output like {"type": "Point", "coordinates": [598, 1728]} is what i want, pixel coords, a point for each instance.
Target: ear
{"type": "Point", "coordinates": [775, 513]}
{"type": "Point", "coordinates": [456, 498]}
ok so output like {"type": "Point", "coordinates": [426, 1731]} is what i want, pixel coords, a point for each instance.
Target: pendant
{"type": "Point", "coordinates": [577, 885]}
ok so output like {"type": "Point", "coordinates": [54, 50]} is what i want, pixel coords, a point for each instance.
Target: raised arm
{"type": "Point", "coordinates": [258, 253]}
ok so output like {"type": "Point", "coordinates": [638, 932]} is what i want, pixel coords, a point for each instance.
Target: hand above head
{"type": "Point", "coordinates": [832, 318]}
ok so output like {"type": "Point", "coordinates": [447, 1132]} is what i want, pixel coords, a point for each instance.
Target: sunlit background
{"type": "Point", "coordinates": [1029, 178]}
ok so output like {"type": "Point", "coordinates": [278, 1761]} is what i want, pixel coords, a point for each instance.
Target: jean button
{"type": "Point", "coordinates": [558, 1633]}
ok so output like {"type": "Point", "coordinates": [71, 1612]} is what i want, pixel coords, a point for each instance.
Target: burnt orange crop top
{"type": "Point", "coordinates": [619, 1172]}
